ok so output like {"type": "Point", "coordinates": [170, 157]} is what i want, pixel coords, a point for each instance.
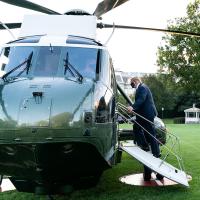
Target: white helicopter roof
{"type": "Point", "coordinates": [59, 25]}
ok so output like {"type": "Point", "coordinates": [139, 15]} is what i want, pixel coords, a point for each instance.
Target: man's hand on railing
{"type": "Point", "coordinates": [129, 109]}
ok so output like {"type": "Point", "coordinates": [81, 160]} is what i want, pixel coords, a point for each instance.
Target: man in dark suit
{"type": "Point", "coordinates": [144, 129]}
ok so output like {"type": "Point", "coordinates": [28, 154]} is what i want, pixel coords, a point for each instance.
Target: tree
{"type": "Point", "coordinates": [170, 96]}
{"type": "Point", "coordinates": [163, 92]}
{"type": "Point", "coordinates": [180, 55]}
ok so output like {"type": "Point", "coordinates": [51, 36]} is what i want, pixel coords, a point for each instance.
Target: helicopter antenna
{"type": "Point", "coordinates": [51, 48]}
{"type": "Point", "coordinates": [110, 34]}
{"type": "Point", "coordinates": [6, 27]}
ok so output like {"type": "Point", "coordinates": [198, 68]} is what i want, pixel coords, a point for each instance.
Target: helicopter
{"type": "Point", "coordinates": [58, 99]}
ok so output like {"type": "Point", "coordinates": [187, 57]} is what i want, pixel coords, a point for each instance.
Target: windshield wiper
{"type": "Point", "coordinates": [28, 64]}
{"type": "Point", "coordinates": [73, 71]}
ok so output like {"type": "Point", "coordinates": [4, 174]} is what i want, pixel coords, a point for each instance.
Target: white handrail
{"type": "Point", "coordinates": [169, 149]}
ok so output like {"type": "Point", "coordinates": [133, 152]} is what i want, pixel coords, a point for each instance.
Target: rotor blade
{"type": "Point", "coordinates": [100, 25]}
{"type": "Point", "coordinates": [107, 5]}
{"type": "Point", "coordinates": [10, 25]}
{"type": "Point", "coordinates": [30, 5]}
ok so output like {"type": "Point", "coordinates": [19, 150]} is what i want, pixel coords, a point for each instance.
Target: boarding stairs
{"type": "Point", "coordinates": [170, 150]}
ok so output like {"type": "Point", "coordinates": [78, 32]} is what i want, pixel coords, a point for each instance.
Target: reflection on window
{"type": "Point", "coordinates": [47, 61]}
{"type": "Point", "coordinates": [119, 79]}
{"type": "Point", "coordinates": [83, 60]}
{"type": "Point", "coordinates": [11, 57]}
{"type": "Point", "coordinates": [102, 112]}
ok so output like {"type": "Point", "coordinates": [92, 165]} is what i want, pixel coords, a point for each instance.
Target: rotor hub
{"type": "Point", "coordinates": [77, 12]}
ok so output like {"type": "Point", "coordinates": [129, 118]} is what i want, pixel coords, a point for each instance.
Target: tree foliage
{"type": "Point", "coordinates": [160, 88]}
{"type": "Point", "coordinates": [170, 96]}
{"type": "Point", "coordinates": [180, 55]}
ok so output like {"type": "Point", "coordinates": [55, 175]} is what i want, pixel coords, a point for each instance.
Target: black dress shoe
{"type": "Point", "coordinates": [147, 177]}
{"type": "Point", "coordinates": [145, 148]}
{"type": "Point", "coordinates": [159, 177]}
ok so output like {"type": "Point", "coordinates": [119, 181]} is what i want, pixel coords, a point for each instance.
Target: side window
{"type": "Point", "coordinates": [98, 67]}
{"type": "Point", "coordinates": [4, 58]}
{"type": "Point", "coordinates": [105, 71]}
{"type": "Point", "coordinates": [114, 89]}
{"type": "Point", "coordinates": [112, 81]}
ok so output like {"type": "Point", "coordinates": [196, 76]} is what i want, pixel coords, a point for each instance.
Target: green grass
{"type": "Point", "coordinates": [168, 121]}
{"type": "Point", "coordinates": [109, 188]}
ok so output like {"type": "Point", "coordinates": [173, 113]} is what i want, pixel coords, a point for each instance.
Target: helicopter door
{"type": "Point", "coordinates": [35, 111]}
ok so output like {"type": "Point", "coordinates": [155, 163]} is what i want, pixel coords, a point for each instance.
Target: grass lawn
{"type": "Point", "coordinates": [109, 188]}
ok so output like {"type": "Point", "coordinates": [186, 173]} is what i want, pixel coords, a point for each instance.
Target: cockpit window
{"type": "Point", "coordinates": [12, 57]}
{"type": "Point", "coordinates": [47, 61]}
{"type": "Point", "coordinates": [84, 60]}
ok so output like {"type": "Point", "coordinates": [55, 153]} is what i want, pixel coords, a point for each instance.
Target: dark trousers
{"type": "Point", "coordinates": [144, 139]}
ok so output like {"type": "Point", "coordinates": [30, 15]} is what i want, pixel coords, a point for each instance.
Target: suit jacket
{"type": "Point", "coordinates": [144, 103]}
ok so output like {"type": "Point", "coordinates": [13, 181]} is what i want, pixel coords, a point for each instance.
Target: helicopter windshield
{"type": "Point", "coordinates": [84, 60]}
{"type": "Point", "coordinates": [14, 56]}
{"type": "Point", "coordinates": [48, 61]}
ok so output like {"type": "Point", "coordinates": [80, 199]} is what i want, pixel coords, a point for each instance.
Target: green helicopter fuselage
{"type": "Point", "coordinates": [57, 111]}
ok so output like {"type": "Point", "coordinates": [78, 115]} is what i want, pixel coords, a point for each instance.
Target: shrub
{"type": "Point", "coordinates": [179, 120]}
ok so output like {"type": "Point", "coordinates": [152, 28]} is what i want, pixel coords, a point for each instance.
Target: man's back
{"type": "Point", "coordinates": [144, 103]}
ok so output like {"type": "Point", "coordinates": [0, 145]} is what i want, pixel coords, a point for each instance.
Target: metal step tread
{"type": "Point", "coordinates": [156, 164]}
